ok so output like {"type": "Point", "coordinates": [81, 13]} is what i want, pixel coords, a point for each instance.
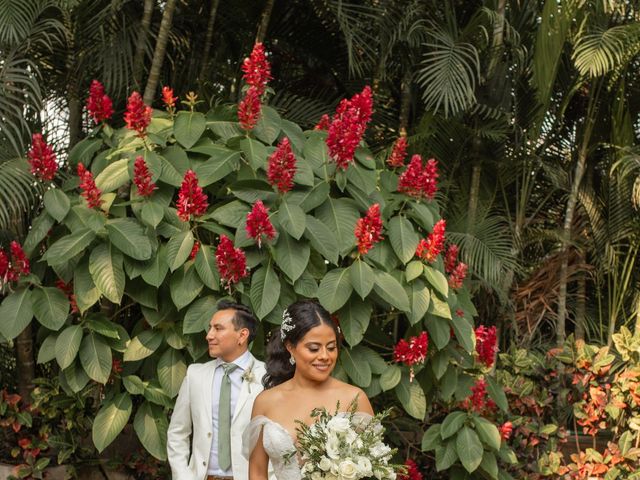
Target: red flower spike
{"type": "Point", "coordinates": [67, 288]}
{"type": "Point", "coordinates": [90, 192]}
{"type": "Point", "coordinates": [19, 261]}
{"type": "Point", "coordinates": [116, 366]}
{"type": "Point", "coordinates": [249, 109]}
{"type": "Point", "coordinates": [99, 104]}
{"type": "Point", "coordinates": [42, 158]}
{"type": "Point", "coordinates": [323, 123]}
{"type": "Point", "coordinates": [409, 181]}
{"type": "Point", "coordinates": [232, 262]}
{"type": "Point", "coordinates": [412, 352]}
{"type": "Point", "coordinates": [138, 115]}
{"type": "Point", "coordinates": [368, 230]}
{"type": "Point", "coordinates": [194, 250]}
{"type": "Point", "coordinates": [258, 223]}
{"type": "Point", "coordinates": [257, 70]}
{"type": "Point", "coordinates": [450, 258]}
{"type": "Point", "coordinates": [4, 265]}
{"type": "Point", "coordinates": [168, 99]}
{"type": "Point", "coordinates": [458, 275]}
{"type": "Point", "coordinates": [348, 126]}
{"type": "Point", "coordinates": [478, 400]}
{"type": "Point", "coordinates": [505, 430]}
{"type": "Point", "coordinates": [429, 179]}
{"type": "Point", "coordinates": [430, 248]}
{"type": "Point", "coordinates": [282, 167]}
{"type": "Point", "coordinates": [486, 344]}
{"type": "Point", "coordinates": [413, 472]}
{"type": "Point", "coordinates": [398, 153]}
{"type": "Point", "coordinates": [142, 178]}
{"type": "Point", "coordinates": [191, 199]}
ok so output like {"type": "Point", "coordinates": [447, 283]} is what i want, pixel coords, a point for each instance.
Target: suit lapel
{"type": "Point", "coordinates": [208, 386]}
{"type": "Point", "coordinates": [244, 394]}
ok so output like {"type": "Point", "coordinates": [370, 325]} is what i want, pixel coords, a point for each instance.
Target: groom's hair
{"type": "Point", "coordinates": [243, 317]}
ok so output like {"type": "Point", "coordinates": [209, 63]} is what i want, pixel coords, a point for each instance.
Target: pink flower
{"type": "Point", "coordinates": [232, 262]}
{"type": "Point", "coordinates": [418, 182]}
{"type": "Point", "coordinates": [99, 104]}
{"type": "Point", "coordinates": [348, 126]}
{"type": "Point", "coordinates": [42, 158]}
{"type": "Point", "coordinates": [486, 344]}
{"type": "Point", "coordinates": [412, 352]}
{"type": "Point", "coordinates": [142, 178]}
{"type": "Point", "coordinates": [167, 98]}
{"type": "Point", "coordinates": [191, 199]}
{"type": "Point", "coordinates": [257, 70]}
{"type": "Point", "coordinates": [90, 192]}
{"type": "Point", "coordinates": [249, 109]}
{"type": "Point", "coordinates": [398, 153]}
{"type": "Point", "coordinates": [368, 230]}
{"type": "Point", "coordinates": [323, 123]}
{"type": "Point", "coordinates": [258, 223]}
{"type": "Point", "coordinates": [430, 248]}
{"type": "Point", "coordinates": [138, 115]}
{"type": "Point", "coordinates": [282, 167]}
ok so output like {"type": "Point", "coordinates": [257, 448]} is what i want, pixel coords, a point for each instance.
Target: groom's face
{"type": "Point", "coordinates": [224, 339]}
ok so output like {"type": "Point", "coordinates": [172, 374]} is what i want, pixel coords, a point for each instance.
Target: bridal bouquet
{"type": "Point", "coordinates": [345, 446]}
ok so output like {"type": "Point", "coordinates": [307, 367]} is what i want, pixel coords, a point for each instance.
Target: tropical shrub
{"type": "Point", "coordinates": [179, 209]}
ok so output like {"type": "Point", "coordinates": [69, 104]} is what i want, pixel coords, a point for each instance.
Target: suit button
{"type": "Point", "coordinates": [209, 434]}
{"type": "Point", "coordinates": [204, 463]}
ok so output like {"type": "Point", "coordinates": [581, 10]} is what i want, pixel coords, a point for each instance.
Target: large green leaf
{"type": "Point", "coordinates": [47, 350]}
{"type": "Point", "coordinates": [95, 357]}
{"type": "Point", "coordinates": [431, 438]}
{"type": "Point", "coordinates": [151, 425]}
{"type": "Point", "coordinates": [50, 306]}
{"type": "Point", "coordinates": [403, 238]}
{"type": "Point", "coordinates": [361, 277]}
{"type": "Point", "coordinates": [306, 285]}
{"type": "Point", "coordinates": [322, 239]}
{"type": "Point", "coordinates": [129, 236]}
{"type": "Point", "coordinates": [178, 249]}
{"type": "Point", "coordinates": [292, 219]}
{"type": "Point", "coordinates": [335, 289]}
{"type": "Point", "coordinates": [152, 214]}
{"type": "Point", "coordinates": [464, 333]}
{"type": "Point", "coordinates": [390, 377]}
{"type": "Point", "coordinates": [185, 286]}
{"type": "Point", "coordinates": [171, 371]}
{"type": "Point", "coordinates": [452, 424]}
{"type": "Point", "coordinates": [356, 366]}
{"type": "Point", "coordinates": [496, 392]}
{"type": "Point", "coordinates": [114, 176]}
{"type": "Point", "coordinates": [217, 167]}
{"type": "Point", "coordinates": [391, 291]}
{"type": "Point", "coordinates": [291, 256]}
{"type": "Point", "coordinates": [439, 307]}
{"type": "Point", "coordinates": [67, 345]}
{"type": "Point", "coordinates": [16, 312]}
{"type": "Point", "coordinates": [84, 151]}
{"type": "Point", "coordinates": [231, 214]}
{"type": "Point", "coordinates": [86, 292]}
{"type": "Point", "coordinates": [269, 125]}
{"type": "Point", "coordinates": [363, 178]}
{"type": "Point", "coordinates": [354, 320]}
{"type": "Point", "coordinates": [142, 345]}
{"type": "Point", "coordinates": [255, 152]}
{"type": "Point", "coordinates": [412, 398]}
{"type": "Point", "coordinates": [437, 280]}
{"type": "Point", "coordinates": [189, 127]}
{"type": "Point", "coordinates": [206, 267]}
{"type": "Point", "coordinates": [105, 266]}
{"type": "Point", "coordinates": [69, 246]}
{"type": "Point", "coordinates": [155, 269]}
{"type": "Point", "coordinates": [446, 455]}
{"type": "Point", "coordinates": [40, 227]}
{"type": "Point", "coordinates": [340, 216]}
{"type": "Point", "coordinates": [439, 331]}
{"type": "Point", "coordinates": [199, 314]}
{"type": "Point", "coordinates": [75, 377]}
{"type": "Point", "coordinates": [488, 432]}
{"type": "Point", "coordinates": [57, 203]}
{"type": "Point", "coordinates": [469, 449]}
{"type": "Point", "coordinates": [419, 298]}
{"type": "Point", "coordinates": [265, 290]}
{"type": "Point", "coordinates": [110, 420]}
{"type": "Point", "coordinates": [310, 199]}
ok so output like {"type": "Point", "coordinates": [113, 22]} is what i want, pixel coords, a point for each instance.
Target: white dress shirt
{"type": "Point", "coordinates": [236, 382]}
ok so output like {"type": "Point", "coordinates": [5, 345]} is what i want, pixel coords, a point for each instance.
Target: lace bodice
{"type": "Point", "coordinates": [278, 444]}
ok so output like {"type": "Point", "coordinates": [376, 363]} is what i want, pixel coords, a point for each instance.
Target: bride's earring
{"type": "Point", "coordinates": [292, 360]}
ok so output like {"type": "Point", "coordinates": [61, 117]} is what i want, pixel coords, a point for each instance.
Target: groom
{"type": "Point", "coordinates": [215, 402]}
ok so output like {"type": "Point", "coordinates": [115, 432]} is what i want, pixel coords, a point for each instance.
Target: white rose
{"type": "Point", "coordinates": [339, 424]}
{"type": "Point", "coordinates": [379, 450]}
{"type": "Point", "coordinates": [348, 470]}
{"type": "Point", "coordinates": [325, 464]}
{"type": "Point", "coordinates": [316, 476]}
{"type": "Point", "coordinates": [365, 467]}
{"type": "Point", "coordinates": [333, 447]}
{"type": "Point", "coordinates": [351, 436]}
{"type": "Point", "coordinates": [330, 476]}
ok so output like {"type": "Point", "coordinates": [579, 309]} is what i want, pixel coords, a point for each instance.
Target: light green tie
{"type": "Point", "coordinates": [224, 418]}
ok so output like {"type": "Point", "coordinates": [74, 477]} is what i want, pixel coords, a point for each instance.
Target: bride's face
{"type": "Point", "coordinates": [316, 353]}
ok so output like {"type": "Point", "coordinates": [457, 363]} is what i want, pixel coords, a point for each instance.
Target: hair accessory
{"type": "Point", "coordinates": [287, 324]}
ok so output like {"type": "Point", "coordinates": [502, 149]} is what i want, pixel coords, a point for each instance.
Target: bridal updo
{"type": "Point", "coordinates": [297, 320]}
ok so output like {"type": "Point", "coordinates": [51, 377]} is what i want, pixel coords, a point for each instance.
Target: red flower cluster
{"type": "Point", "coordinates": [398, 153]}
{"type": "Point", "coordinates": [451, 258]}
{"type": "Point", "coordinates": [486, 344]}
{"type": "Point", "coordinates": [90, 192]}
{"type": "Point", "coordinates": [418, 182]}
{"type": "Point", "coordinates": [142, 178]}
{"type": "Point", "coordinates": [116, 366]}
{"type": "Point", "coordinates": [42, 158]}
{"type": "Point", "coordinates": [232, 262]}
{"type": "Point", "coordinates": [138, 115]}
{"type": "Point", "coordinates": [457, 276]}
{"type": "Point", "coordinates": [67, 289]}
{"type": "Point", "coordinates": [194, 250]}
{"type": "Point", "coordinates": [348, 126]}
{"type": "Point", "coordinates": [323, 123]}
{"type": "Point", "coordinates": [429, 248]}
{"type": "Point", "coordinates": [505, 430]}
{"type": "Point", "coordinates": [168, 99]}
{"type": "Point", "coordinates": [413, 472]}
{"type": "Point", "coordinates": [99, 104]}
{"type": "Point", "coordinates": [10, 271]}
{"type": "Point", "coordinates": [282, 167]}
{"type": "Point", "coordinates": [369, 229]}
{"type": "Point", "coordinates": [478, 400]}
{"type": "Point", "coordinates": [249, 109]}
{"type": "Point", "coordinates": [412, 352]}
{"type": "Point", "coordinates": [191, 199]}
{"type": "Point", "coordinates": [258, 223]}
{"type": "Point", "coordinates": [257, 70]}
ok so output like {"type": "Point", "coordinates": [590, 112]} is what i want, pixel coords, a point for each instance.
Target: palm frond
{"type": "Point", "coordinates": [19, 193]}
{"type": "Point", "coordinates": [598, 53]}
{"type": "Point", "coordinates": [305, 111]}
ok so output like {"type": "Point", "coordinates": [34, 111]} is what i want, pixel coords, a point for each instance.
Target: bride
{"type": "Point", "coordinates": [300, 359]}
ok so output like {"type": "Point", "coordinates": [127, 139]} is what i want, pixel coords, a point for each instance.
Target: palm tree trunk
{"type": "Point", "coordinates": [208, 38]}
{"type": "Point", "coordinates": [138, 59]}
{"type": "Point", "coordinates": [158, 54]}
{"type": "Point", "coordinates": [405, 101]}
{"type": "Point", "coordinates": [25, 364]}
{"type": "Point", "coordinates": [264, 21]}
{"type": "Point", "coordinates": [498, 37]}
{"type": "Point", "coordinates": [581, 304]}
{"type": "Point", "coordinates": [75, 116]}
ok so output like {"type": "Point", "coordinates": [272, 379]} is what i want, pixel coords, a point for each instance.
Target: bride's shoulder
{"type": "Point", "coordinates": [348, 394]}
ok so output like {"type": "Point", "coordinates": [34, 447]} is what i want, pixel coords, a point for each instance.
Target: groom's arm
{"type": "Point", "coordinates": [179, 433]}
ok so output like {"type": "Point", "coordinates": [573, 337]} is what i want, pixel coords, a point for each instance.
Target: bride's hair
{"type": "Point", "coordinates": [298, 319]}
